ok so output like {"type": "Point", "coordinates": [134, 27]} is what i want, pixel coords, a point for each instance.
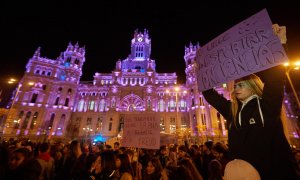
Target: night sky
{"type": "Point", "coordinates": [106, 28]}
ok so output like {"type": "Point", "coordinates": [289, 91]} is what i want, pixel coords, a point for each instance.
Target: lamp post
{"type": "Point", "coordinates": [287, 72]}
{"type": "Point", "coordinates": [177, 121]}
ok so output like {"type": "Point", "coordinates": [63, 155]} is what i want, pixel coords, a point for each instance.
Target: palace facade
{"type": "Point", "coordinates": [52, 102]}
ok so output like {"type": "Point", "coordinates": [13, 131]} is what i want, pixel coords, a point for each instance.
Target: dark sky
{"type": "Point", "coordinates": [106, 28]}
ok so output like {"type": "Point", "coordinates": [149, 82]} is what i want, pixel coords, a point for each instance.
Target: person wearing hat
{"type": "Point", "coordinates": [255, 129]}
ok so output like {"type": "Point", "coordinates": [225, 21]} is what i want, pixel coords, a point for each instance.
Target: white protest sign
{"type": "Point", "coordinates": [141, 130]}
{"type": "Point", "coordinates": [248, 47]}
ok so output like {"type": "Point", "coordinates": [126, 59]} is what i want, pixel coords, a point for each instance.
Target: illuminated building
{"type": "Point", "coordinates": [59, 105]}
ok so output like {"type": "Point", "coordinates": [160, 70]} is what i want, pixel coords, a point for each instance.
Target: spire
{"type": "Point", "coordinates": [191, 45]}
{"type": "Point", "coordinates": [37, 52]}
{"type": "Point", "coordinates": [76, 47]}
{"type": "Point", "coordinates": [70, 46]}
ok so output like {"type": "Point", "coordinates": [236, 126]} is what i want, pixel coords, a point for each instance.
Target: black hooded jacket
{"type": "Point", "coordinates": [260, 138]}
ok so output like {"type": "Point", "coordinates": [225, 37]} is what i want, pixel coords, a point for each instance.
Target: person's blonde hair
{"type": "Point", "coordinates": [256, 86]}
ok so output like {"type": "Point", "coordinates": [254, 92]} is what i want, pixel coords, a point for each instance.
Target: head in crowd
{"type": "Point", "coordinates": [154, 167]}
{"type": "Point", "coordinates": [123, 164]}
{"type": "Point", "coordinates": [116, 146]}
{"type": "Point", "coordinates": [239, 169]}
{"type": "Point", "coordinates": [91, 161]}
{"type": "Point", "coordinates": [206, 148]}
{"type": "Point", "coordinates": [187, 163]}
{"type": "Point", "coordinates": [163, 150]}
{"type": "Point", "coordinates": [219, 150]}
{"type": "Point", "coordinates": [44, 147]}
{"type": "Point", "coordinates": [177, 173]}
{"type": "Point", "coordinates": [108, 162]}
{"type": "Point", "coordinates": [130, 154]}
{"type": "Point", "coordinates": [215, 170]}
{"type": "Point", "coordinates": [75, 149]}
{"type": "Point", "coordinates": [182, 151]}
{"type": "Point", "coordinates": [19, 157]}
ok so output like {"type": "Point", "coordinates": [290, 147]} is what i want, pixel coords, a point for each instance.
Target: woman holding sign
{"type": "Point", "coordinates": [255, 130]}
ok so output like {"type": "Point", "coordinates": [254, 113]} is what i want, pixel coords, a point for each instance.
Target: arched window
{"type": "Point", "coordinates": [172, 104]}
{"type": "Point", "coordinates": [80, 105]}
{"type": "Point", "coordinates": [26, 120]}
{"type": "Point", "coordinates": [56, 101]}
{"type": "Point", "coordinates": [34, 119]}
{"type": "Point", "coordinates": [182, 104]}
{"type": "Point", "coordinates": [69, 90]}
{"type": "Point", "coordinates": [110, 124]}
{"type": "Point", "coordinates": [61, 124]}
{"type": "Point", "coordinates": [148, 104]}
{"type": "Point", "coordinates": [102, 105]}
{"type": "Point", "coordinates": [50, 124]}
{"type": "Point", "coordinates": [91, 105]}
{"type": "Point", "coordinates": [99, 124]}
{"type": "Point", "coordinates": [67, 102]}
{"type": "Point", "coordinates": [161, 105]}
{"type": "Point", "coordinates": [17, 123]}
{"type": "Point", "coordinates": [68, 60]}
{"type": "Point", "coordinates": [113, 103]}
{"type": "Point", "coordinates": [34, 97]}
{"type": "Point", "coordinates": [76, 61]}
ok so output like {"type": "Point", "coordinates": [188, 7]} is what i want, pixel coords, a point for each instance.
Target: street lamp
{"type": "Point", "coordinates": [287, 72]}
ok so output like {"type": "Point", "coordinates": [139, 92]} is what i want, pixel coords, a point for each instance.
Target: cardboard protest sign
{"type": "Point", "coordinates": [248, 47]}
{"type": "Point", "coordinates": [141, 130]}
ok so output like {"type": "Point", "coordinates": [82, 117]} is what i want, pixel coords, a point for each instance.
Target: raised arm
{"type": "Point", "coordinates": [273, 80]}
{"type": "Point", "coordinates": [221, 104]}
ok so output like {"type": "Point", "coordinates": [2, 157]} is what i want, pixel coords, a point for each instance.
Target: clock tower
{"type": "Point", "coordinates": [140, 46]}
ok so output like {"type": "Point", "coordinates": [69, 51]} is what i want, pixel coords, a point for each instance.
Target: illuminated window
{"type": "Point", "coordinates": [99, 125]}
{"type": "Point", "coordinates": [102, 105]}
{"type": "Point", "coordinates": [61, 123]}
{"type": "Point", "coordinates": [50, 124]}
{"type": "Point", "coordinates": [17, 122]}
{"type": "Point", "coordinates": [80, 105]}
{"type": "Point", "coordinates": [91, 105]}
{"type": "Point", "coordinates": [162, 124]}
{"type": "Point", "coordinates": [26, 120]}
{"type": "Point", "coordinates": [182, 104]}
{"type": "Point", "coordinates": [34, 119]}
{"type": "Point", "coordinates": [172, 104]}
{"type": "Point", "coordinates": [110, 124]}
{"type": "Point", "coordinates": [161, 105]}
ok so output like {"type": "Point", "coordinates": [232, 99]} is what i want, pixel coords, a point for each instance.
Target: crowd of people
{"type": "Point", "coordinates": [258, 148]}
{"type": "Point", "coordinates": [86, 160]}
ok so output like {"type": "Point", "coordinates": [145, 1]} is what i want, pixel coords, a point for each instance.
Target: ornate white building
{"type": "Point", "coordinates": [51, 102]}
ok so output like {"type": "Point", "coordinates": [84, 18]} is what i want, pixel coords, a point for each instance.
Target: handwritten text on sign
{"type": "Point", "coordinates": [142, 131]}
{"type": "Point", "coordinates": [249, 47]}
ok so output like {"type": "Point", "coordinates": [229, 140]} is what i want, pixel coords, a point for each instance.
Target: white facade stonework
{"type": "Point", "coordinates": [59, 105]}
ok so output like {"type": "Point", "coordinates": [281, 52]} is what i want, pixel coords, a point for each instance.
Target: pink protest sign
{"type": "Point", "coordinates": [141, 130]}
{"type": "Point", "coordinates": [248, 47]}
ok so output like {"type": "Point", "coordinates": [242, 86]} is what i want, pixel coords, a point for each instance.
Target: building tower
{"type": "Point", "coordinates": [45, 96]}
{"type": "Point", "coordinates": [206, 123]}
